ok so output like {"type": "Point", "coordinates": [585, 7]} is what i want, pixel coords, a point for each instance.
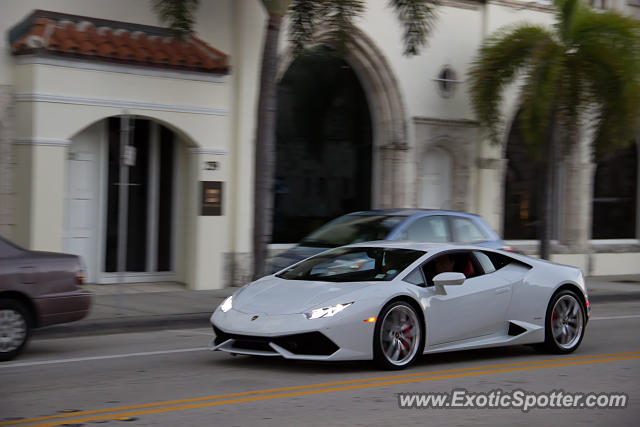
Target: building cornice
{"type": "Point", "coordinates": [520, 5]}
{"type": "Point", "coordinates": [119, 103]}
{"type": "Point", "coordinates": [53, 142]}
{"type": "Point", "coordinates": [462, 4]}
{"type": "Point", "coordinates": [80, 64]}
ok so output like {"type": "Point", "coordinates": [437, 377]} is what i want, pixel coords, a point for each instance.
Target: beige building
{"type": "Point", "coordinates": [83, 77]}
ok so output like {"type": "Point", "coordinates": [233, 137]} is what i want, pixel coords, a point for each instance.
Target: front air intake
{"type": "Point", "coordinates": [310, 343]}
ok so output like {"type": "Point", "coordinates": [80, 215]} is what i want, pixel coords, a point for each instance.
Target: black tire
{"type": "Point", "coordinates": [413, 350]}
{"type": "Point", "coordinates": [579, 321]}
{"type": "Point", "coordinates": [13, 314]}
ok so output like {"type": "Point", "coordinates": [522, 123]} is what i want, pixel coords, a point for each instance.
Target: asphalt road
{"type": "Point", "coordinates": [169, 378]}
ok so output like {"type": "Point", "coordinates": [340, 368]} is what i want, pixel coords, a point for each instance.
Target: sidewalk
{"type": "Point", "coordinates": [149, 306]}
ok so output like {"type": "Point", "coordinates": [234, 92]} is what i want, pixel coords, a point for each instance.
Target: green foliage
{"type": "Point", "coordinates": [417, 18]}
{"type": "Point", "coordinates": [588, 68]}
{"type": "Point", "coordinates": [338, 16]}
{"type": "Point", "coordinates": [178, 15]}
{"type": "Point", "coordinates": [501, 59]}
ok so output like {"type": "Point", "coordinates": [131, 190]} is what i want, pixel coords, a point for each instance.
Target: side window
{"type": "Point", "coordinates": [427, 229]}
{"type": "Point", "coordinates": [485, 262]}
{"type": "Point", "coordinates": [499, 260]}
{"type": "Point", "coordinates": [415, 277]}
{"type": "Point", "coordinates": [457, 262]}
{"type": "Point", "coordinates": [466, 231]}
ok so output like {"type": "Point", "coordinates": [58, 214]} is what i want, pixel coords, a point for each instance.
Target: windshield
{"type": "Point", "coordinates": [352, 229]}
{"type": "Point", "coordinates": [353, 265]}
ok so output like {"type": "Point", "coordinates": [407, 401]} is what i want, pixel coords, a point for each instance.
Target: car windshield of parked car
{"type": "Point", "coordinates": [353, 265]}
{"type": "Point", "coordinates": [352, 229]}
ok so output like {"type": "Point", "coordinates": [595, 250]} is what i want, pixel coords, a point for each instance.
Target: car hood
{"type": "Point", "coordinates": [272, 295]}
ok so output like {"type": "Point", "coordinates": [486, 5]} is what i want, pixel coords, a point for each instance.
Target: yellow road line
{"type": "Point", "coordinates": [329, 390]}
{"type": "Point", "coordinates": [562, 360]}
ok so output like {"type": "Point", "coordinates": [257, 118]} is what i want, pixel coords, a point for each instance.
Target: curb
{"type": "Point", "coordinates": [125, 324]}
{"type": "Point", "coordinates": [627, 296]}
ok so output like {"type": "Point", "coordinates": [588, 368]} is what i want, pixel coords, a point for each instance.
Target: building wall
{"type": "Point", "coordinates": [56, 100]}
{"type": "Point", "coordinates": [215, 121]}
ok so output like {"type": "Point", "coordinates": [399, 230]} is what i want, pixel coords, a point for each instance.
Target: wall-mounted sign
{"type": "Point", "coordinates": [211, 198]}
{"type": "Point", "coordinates": [211, 166]}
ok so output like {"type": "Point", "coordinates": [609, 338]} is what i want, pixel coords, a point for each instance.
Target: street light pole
{"type": "Point", "coordinates": [123, 200]}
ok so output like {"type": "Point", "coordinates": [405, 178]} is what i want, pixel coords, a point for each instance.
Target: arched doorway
{"type": "Point", "coordinates": [615, 195]}
{"type": "Point", "coordinates": [324, 145]}
{"type": "Point", "coordinates": [92, 200]}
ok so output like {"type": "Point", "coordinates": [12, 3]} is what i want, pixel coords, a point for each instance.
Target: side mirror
{"type": "Point", "coordinates": [449, 279]}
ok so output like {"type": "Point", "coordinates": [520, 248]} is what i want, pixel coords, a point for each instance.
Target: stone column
{"type": "Point", "coordinates": [490, 190]}
{"type": "Point", "coordinates": [399, 153]}
{"type": "Point", "coordinates": [385, 198]}
{"type": "Point", "coordinates": [7, 163]}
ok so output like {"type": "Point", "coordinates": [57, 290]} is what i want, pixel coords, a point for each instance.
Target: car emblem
{"type": "Point", "coordinates": [254, 317]}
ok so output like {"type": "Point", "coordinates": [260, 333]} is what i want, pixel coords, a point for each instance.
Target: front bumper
{"type": "Point", "coordinates": [344, 336]}
{"type": "Point", "coordinates": [310, 345]}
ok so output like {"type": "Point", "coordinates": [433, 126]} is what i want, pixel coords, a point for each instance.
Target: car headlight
{"type": "Point", "coordinates": [226, 304]}
{"type": "Point", "coordinates": [326, 311]}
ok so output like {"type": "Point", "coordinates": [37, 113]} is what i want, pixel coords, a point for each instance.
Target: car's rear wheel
{"type": "Point", "coordinates": [14, 328]}
{"type": "Point", "coordinates": [565, 323]}
{"type": "Point", "coordinates": [398, 337]}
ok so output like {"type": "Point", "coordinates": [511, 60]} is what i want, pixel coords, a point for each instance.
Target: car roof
{"type": "Point", "coordinates": [421, 246]}
{"type": "Point", "coordinates": [410, 212]}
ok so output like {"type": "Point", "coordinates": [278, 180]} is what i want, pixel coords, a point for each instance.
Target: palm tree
{"type": "Point", "coordinates": [587, 67]}
{"type": "Point", "coordinates": [416, 16]}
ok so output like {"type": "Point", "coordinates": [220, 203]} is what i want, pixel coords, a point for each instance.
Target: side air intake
{"type": "Point", "coordinates": [515, 329]}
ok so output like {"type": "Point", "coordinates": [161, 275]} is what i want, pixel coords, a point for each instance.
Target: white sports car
{"type": "Point", "coordinates": [392, 301]}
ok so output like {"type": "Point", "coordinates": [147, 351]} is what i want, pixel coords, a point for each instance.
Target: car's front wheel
{"type": "Point", "coordinates": [14, 328]}
{"type": "Point", "coordinates": [398, 337]}
{"type": "Point", "coordinates": [565, 323]}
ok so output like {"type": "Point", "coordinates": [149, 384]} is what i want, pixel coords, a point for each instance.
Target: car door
{"type": "Point", "coordinates": [474, 309]}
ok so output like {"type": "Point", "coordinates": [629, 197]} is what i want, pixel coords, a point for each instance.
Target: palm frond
{"type": "Point", "coordinates": [609, 52]}
{"type": "Point", "coordinates": [567, 9]}
{"type": "Point", "coordinates": [339, 17]}
{"type": "Point", "coordinates": [178, 15]}
{"type": "Point", "coordinates": [303, 17]}
{"type": "Point", "coordinates": [538, 95]}
{"type": "Point", "coordinates": [417, 18]}
{"type": "Point", "coordinates": [500, 59]}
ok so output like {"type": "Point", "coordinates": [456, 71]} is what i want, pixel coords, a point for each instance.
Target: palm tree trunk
{"type": "Point", "coordinates": [265, 155]}
{"type": "Point", "coordinates": [546, 220]}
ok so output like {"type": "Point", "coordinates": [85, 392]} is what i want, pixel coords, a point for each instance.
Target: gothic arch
{"type": "Point", "coordinates": [390, 138]}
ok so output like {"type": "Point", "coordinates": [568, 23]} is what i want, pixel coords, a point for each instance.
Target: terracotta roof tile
{"type": "Point", "coordinates": [91, 38]}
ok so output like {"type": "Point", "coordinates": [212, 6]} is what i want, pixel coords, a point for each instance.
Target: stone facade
{"type": "Point", "coordinates": [459, 139]}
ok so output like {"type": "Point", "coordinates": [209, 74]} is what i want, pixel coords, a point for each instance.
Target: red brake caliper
{"type": "Point", "coordinates": [404, 332]}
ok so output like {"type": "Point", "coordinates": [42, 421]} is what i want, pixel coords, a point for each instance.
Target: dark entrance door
{"type": "Point", "coordinates": [324, 145]}
{"type": "Point", "coordinates": [150, 201]}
